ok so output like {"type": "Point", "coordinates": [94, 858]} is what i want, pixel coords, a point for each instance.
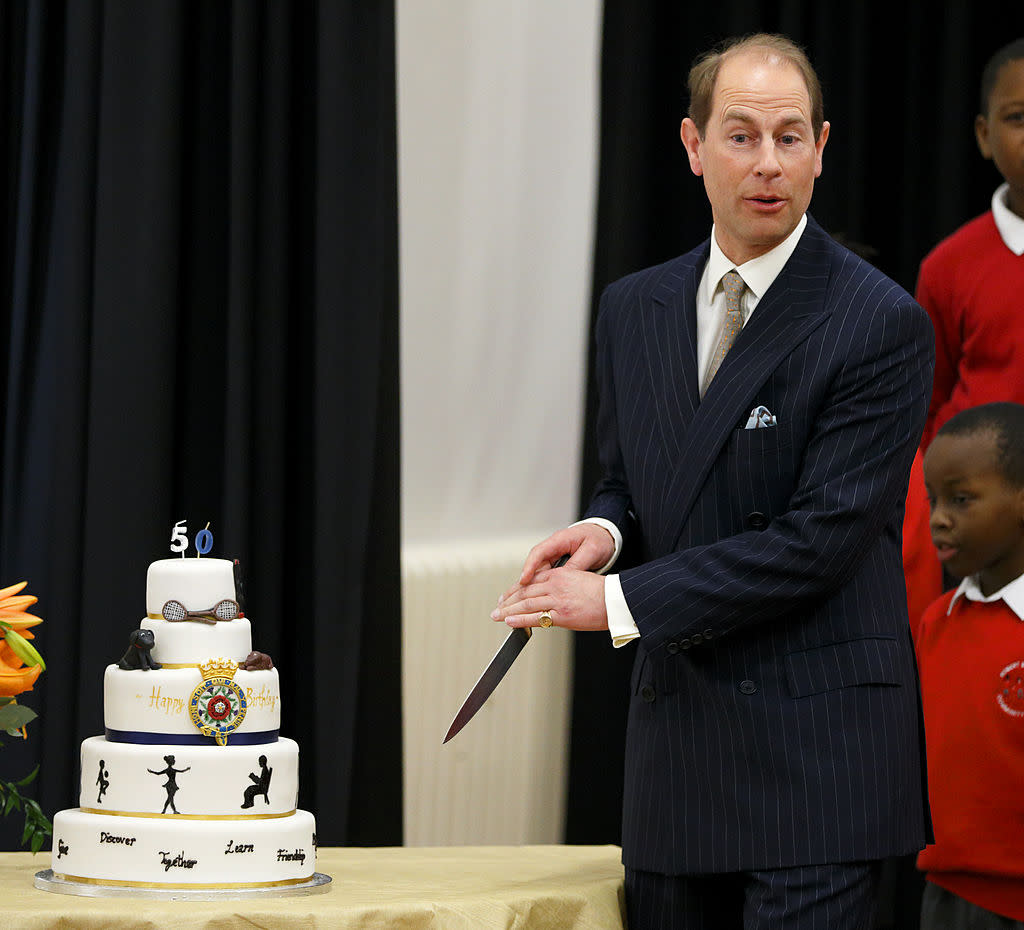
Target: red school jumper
{"type": "Point", "coordinates": [972, 286]}
{"type": "Point", "coordinates": [972, 684]}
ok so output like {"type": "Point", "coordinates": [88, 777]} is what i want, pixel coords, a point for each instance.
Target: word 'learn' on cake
{"type": "Point", "coordinates": [191, 786]}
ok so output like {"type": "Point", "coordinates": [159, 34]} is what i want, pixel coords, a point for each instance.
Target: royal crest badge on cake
{"type": "Point", "coordinates": [191, 787]}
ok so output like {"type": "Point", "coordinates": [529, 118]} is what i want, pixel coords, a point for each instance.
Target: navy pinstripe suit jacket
{"type": "Point", "coordinates": [775, 713]}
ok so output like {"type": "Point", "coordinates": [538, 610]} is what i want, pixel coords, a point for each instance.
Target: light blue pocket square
{"type": "Point", "coordinates": [760, 417]}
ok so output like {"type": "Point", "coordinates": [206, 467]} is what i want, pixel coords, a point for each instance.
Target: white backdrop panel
{"type": "Point", "coordinates": [498, 104]}
{"type": "Point", "coordinates": [498, 123]}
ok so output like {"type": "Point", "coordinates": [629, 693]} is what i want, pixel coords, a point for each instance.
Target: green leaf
{"type": "Point", "coordinates": [5, 700]}
{"type": "Point", "coordinates": [14, 716]}
{"type": "Point", "coordinates": [28, 779]}
{"type": "Point", "coordinates": [37, 825]}
{"type": "Point", "coordinates": [23, 649]}
{"type": "Point", "coordinates": [31, 804]}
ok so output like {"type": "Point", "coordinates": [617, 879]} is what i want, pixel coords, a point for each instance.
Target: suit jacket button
{"type": "Point", "coordinates": [747, 686]}
{"type": "Point", "coordinates": [684, 643]}
{"type": "Point", "coordinates": [647, 693]}
{"type": "Point", "coordinates": [696, 639]}
{"type": "Point", "coordinates": [757, 520]}
{"type": "Point", "coordinates": [672, 648]}
{"type": "Point", "coordinates": [708, 634]}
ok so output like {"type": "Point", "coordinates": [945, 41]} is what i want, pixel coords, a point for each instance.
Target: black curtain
{"type": "Point", "coordinates": [200, 316]}
{"type": "Point", "coordinates": [901, 170]}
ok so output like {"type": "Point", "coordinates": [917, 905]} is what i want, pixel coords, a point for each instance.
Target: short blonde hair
{"type": "Point", "coordinates": [705, 69]}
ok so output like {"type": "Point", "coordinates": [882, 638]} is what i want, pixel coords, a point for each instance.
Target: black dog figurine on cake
{"type": "Point", "coordinates": [137, 656]}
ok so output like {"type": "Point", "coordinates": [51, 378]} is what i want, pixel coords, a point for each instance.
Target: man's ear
{"type": "Point", "coordinates": [819, 147]}
{"type": "Point", "coordinates": [691, 142]}
{"type": "Point", "coordinates": [981, 134]}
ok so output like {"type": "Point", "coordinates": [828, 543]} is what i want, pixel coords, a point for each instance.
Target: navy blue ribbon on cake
{"type": "Point", "coordinates": [189, 739]}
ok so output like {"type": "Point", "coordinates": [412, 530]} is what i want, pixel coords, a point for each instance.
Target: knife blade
{"type": "Point", "coordinates": [492, 675]}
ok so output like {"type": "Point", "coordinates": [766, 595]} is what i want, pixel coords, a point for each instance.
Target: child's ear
{"type": "Point", "coordinates": [981, 134]}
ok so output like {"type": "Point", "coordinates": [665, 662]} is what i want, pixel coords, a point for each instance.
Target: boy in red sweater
{"type": "Point", "coordinates": [970, 647]}
{"type": "Point", "coordinates": [972, 283]}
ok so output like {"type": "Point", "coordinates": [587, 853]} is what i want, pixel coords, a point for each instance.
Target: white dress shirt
{"type": "Point", "coordinates": [1012, 593]}
{"type": "Point", "coordinates": [1010, 226]}
{"type": "Point", "coordinates": [758, 275]}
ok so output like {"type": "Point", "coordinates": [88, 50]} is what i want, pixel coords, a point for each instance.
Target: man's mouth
{"type": "Point", "coordinates": [766, 203]}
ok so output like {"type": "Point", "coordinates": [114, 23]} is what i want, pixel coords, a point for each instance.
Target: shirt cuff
{"type": "Point", "coordinates": [621, 625]}
{"type": "Point", "coordinates": [616, 537]}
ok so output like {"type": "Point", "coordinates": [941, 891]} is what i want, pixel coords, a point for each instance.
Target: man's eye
{"type": "Point", "coordinates": [739, 137]}
{"type": "Point", "coordinates": [787, 140]}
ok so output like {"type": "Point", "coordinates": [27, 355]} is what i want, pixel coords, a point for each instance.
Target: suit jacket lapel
{"type": "Point", "coordinates": [670, 347]}
{"type": "Point", "coordinates": [785, 316]}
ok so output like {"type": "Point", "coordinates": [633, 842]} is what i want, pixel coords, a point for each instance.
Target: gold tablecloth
{"type": "Point", "coordinates": [446, 888]}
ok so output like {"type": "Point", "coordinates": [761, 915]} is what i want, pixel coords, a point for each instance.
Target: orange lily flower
{"type": "Point", "coordinates": [15, 676]}
{"type": "Point", "coordinates": [17, 681]}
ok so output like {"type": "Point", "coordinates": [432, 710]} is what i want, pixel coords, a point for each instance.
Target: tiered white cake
{"type": "Point", "coordinates": [191, 786]}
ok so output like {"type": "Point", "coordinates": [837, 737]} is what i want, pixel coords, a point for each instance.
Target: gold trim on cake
{"type": "Point", "coordinates": [242, 818]}
{"type": "Point", "coordinates": [185, 886]}
{"type": "Point", "coordinates": [196, 665]}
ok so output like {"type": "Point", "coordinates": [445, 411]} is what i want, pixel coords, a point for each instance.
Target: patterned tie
{"type": "Point", "coordinates": [733, 286]}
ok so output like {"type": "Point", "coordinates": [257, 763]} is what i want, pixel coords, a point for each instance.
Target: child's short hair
{"type": "Point", "coordinates": [1005, 55]}
{"type": "Point", "coordinates": [1006, 421]}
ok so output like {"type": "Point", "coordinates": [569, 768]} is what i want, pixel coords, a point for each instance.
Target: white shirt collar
{"type": "Point", "coordinates": [1010, 226]}
{"type": "Point", "coordinates": [759, 273]}
{"type": "Point", "coordinates": [1012, 593]}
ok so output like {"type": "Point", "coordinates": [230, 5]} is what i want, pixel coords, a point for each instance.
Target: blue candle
{"type": "Point", "coordinates": [204, 540]}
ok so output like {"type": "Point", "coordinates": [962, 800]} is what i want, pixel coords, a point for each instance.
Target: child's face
{"type": "Point", "coordinates": [1000, 132]}
{"type": "Point", "coordinates": [977, 518]}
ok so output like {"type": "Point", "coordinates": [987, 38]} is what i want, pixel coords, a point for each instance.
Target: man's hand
{"type": "Point", "coordinates": [573, 595]}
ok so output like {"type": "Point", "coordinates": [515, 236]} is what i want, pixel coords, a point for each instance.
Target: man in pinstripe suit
{"type": "Point", "coordinates": [774, 748]}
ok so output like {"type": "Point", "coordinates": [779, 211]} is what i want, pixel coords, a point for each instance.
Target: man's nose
{"type": "Point", "coordinates": [767, 160]}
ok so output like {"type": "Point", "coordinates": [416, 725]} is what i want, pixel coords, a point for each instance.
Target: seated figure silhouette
{"type": "Point", "coordinates": [261, 784]}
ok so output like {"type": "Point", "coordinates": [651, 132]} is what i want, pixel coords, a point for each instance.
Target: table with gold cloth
{"type": "Point", "coordinates": [444, 888]}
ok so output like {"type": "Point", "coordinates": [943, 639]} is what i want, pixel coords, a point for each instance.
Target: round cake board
{"type": "Point", "coordinates": [47, 881]}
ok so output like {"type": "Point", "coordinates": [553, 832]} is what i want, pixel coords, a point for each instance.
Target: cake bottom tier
{"type": "Point", "coordinates": [161, 853]}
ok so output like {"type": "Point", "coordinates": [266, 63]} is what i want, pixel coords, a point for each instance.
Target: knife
{"type": "Point", "coordinates": [494, 672]}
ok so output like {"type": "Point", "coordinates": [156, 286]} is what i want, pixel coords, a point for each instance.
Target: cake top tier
{"type": "Point", "coordinates": [197, 584]}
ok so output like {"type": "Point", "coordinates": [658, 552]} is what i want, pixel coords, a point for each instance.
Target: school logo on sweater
{"type": "Point", "coordinates": [1011, 689]}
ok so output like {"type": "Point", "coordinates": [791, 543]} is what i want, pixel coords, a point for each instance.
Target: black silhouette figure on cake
{"type": "Point", "coordinates": [102, 781]}
{"type": "Point", "coordinates": [137, 656]}
{"type": "Point", "coordinates": [261, 784]}
{"type": "Point", "coordinates": [171, 784]}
